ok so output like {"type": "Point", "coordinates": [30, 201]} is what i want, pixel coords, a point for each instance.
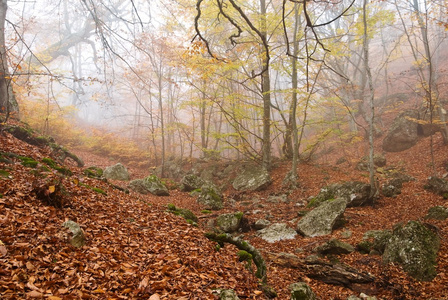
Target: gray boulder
{"type": "Point", "coordinates": [155, 186]}
{"type": "Point", "coordinates": [403, 133]}
{"type": "Point", "coordinates": [374, 241]}
{"type": "Point", "coordinates": [323, 219]}
{"type": "Point", "coordinates": [438, 186]}
{"type": "Point", "coordinates": [415, 247]}
{"type": "Point", "coordinates": [228, 295]}
{"type": "Point", "coordinates": [437, 213]}
{"type": "Point", "coordinates": [253, 178]}
{"type": "Point", "coordinates": [301, 291]}
{"type": "Point", "coordinates": [261, 224]}
{"type": "Point", "coordinates": [150, 184]}
{"type": "Point", "coordinates": [378, 161]}
{"type": "Point", "coordinates": [210, 196]}
{"type": "Point", "coordinates": [277, 232]}
{"type": "Point", "coordinates": [355, 193]}
{"type": "Point", "coordinates": [229, 222]}
{"type": "Point", "coordinates": [334, 246]}
{"type": "Point", "coordinates": [116, 172]}
{"type": "Point", "coordinates": [191, 182]}
{"type": "Point", "coordinates": [78, 238]}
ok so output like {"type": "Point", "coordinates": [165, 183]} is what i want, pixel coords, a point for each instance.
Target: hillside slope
{"type": "Point", "coordinates": [136, 249]}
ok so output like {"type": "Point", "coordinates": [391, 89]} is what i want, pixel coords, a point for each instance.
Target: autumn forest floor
{"type": "Point", "coordinates": [136, 249]}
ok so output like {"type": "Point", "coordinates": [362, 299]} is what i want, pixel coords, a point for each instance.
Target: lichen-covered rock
{"type": "Point", "coordinates": [403, 133]}
{"type": "Point", "coordinates": [437, 213]}
{"type": "Point", "coordinates": [334, 246]}
{"type": "Point", "coordinates": [323, 219]}
{"type": "Point", "coordinates": [191, 182]}
{"type": "Point", "coordinates": [301, 291]}
{"type": "Point", "coordinates": [116, 172]}
{"type": "Point", "coordinates": [229, 222]}
{"type": "Point", "coordinates": [277, 232]}
{"type": "Point", "coordinates": [262, 223]}
{"type": "Point", "coordinates": [415, 247]}
{"type": "Point", "coordinates": [155, 186]}
{"type": "Point", "coordinates": [253, 178]}
{"type": "Point", "coordinates": [374, 240]}
{"type": "Point", "coordinates": [150, 184]}
{"type": "Point", "coordinates": [355, 193]}
{"type": "Point", "coordinates": [228, 295]}
{"type": "Point", "coordinates": [78, 238]}
{"type": "Point", "coordinates": [210, 196]}
{"type": "Point", "coordinates": [183, 212]}
{"type": "Point", "coordinates": [438, 186]}
{"type": "Point", "coordinates": [378, 161]}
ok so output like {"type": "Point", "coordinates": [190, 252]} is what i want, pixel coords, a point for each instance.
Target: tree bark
{"type": "Point", "coordinates": [8, 103]}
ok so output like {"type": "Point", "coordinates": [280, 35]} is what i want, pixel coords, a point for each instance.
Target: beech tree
{"type": "Point", "coordinates": [8, 103]}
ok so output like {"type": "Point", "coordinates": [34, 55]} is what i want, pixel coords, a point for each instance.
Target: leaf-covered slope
{"type": "Point", "coordinates": [134, 249]}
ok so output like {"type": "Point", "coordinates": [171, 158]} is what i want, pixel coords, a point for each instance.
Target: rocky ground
{"type": "Point", "coordinates": [137, 249]}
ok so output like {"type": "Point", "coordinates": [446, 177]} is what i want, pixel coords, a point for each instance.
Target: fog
{"type": "Point", "coordinates": [140, 69]}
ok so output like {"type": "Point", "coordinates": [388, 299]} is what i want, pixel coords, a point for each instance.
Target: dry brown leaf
{"type": "Point", "coordinates": [154, 297]}
{"type": "Point", "coordinates": [34, 294]}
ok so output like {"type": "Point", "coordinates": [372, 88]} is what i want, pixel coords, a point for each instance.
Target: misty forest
{"type": "Point", "coordinates": [224, 149]}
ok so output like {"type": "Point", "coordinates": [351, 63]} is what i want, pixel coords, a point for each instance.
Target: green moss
{"type": "Point", "coordinates": [239, 215]}
{"type": "Point", "coordinates": [4, 173]}
{"type": "Point", "coordinates": [28, 162]}
{"type": "Point", "coordinates": [51, 163]}
{"type": "Point", "coordinates": [99, 191]}
{"type": "Point", "coordinates": [244, 255]}
{"type": "Point", "coordinates": [206, 211]}
{"type": "Point", "coordinates": [93, 172]}
{"type": "Point", "coordinates": [1, 195]}
{"type": "Point", "coordinates": [445, 195]}
{"type": "Point", "coordinates": [171, 206]}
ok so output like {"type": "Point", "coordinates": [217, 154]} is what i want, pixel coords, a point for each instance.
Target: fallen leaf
{"type": "Point", "coordinates": [54, 298]}
{"type": "Point", "coordinates": [154, 297]}
{"type": "Point", "coordinates": [34, 294]}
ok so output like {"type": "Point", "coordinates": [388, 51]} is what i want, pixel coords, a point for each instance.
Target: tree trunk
{"type": "Point", "coordinates": [8, 103]}
{"type": "Point", "coordinates": [373, 188]}
{"type": "Point", "coordinates": [266, 91]}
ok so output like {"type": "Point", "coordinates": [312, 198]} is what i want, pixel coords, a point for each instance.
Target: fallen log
{"type": "Point", "coordinates": [331, 273]}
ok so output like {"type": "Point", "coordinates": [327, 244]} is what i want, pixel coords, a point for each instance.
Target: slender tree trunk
{"type": "Point", "coordinates": [373, 188]}
{"type": "Point", "coordinates": [265, 89]}
{"type": "Point", "coordinates": [8, 103]}
{"type": "Point", "coordinates": [292, 176]}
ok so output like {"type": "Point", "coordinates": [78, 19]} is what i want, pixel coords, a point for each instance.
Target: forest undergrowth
{"type": "Point", "coordinates": [137, 249]}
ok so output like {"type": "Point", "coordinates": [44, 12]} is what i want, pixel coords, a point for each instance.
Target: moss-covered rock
{"type": "Point", "coordinates": [438, 186]}
{"type": "Point", "coordinates": [229, 222]}
{"type": "Point", "coordinates": [155, 186]}
{"type": "Point", "coordinates": [28, 161]}
{"type": "Point", "coordinates": [228, 295]}
{"type": "Point", "coordinates": [253, 178]}
{"type": "Point", "coordinates": [151, 184]}
{"type": "Point", "coordinates": [55, 166]}
{"type": "Point", "coordinates": [355, 193]}
{"type": "Point", "coordinates": [323, 219]}
{"type": "Point", "coordinates": [334, 246]}
{"type": "Point", "coordinates": [116, 172]}
{"type": "Point", "coordinates": [78, 238]}
{"type": "Point", "coordinates": [185, 213]}
{"type": "Point", "coordinates": [93, 172]}
{"type": "Point", "coordinates": [191, 182]}
{"type": "Point", "coordinates": [374, 240]}
{"type": "Point", "coordinates": [437, 213]}
{"type": "Point", "coordinates": [301, 291]}
{"type": "Point", "coordinates": [415, 247]}
{"type": "Point", "coordinates": [211, 197]}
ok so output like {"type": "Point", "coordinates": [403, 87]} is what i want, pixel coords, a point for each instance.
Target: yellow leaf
{"type": "Point", "coordinates": [99, 291]}
{"type": "Point", "coordinates": [51, 188]}
{"type": "Point", "coordinates": [258, 292]}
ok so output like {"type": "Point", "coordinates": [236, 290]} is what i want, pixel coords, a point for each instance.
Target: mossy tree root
{"type": "Point", "coordinates": [256, 257]}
